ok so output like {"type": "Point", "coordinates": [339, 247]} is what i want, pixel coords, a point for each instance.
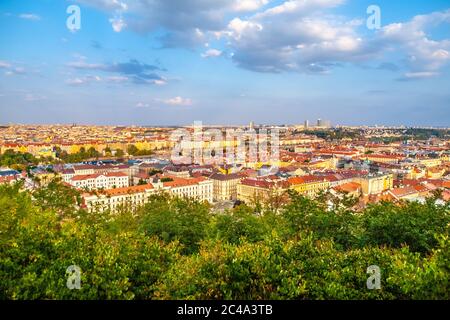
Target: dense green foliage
{"type": "Point", "coordinates": [17, 160]}
{"type": "Point", "coordinates": [334, 134]}
{"type": "Point", "coordinates": [400, 134]}
{"type": "Point", "coordinates": [425, 134]}
{"type": "Point", "coordinates": [174, 248]}
{"type": "Point", "coordinates": [134, 151]}
{"type": "Point", "coordinates": [81, 155]}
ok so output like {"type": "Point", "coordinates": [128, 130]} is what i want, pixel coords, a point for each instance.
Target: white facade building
{"type": "Point", "coordinates": [100, 181]}
{"type": "Point", "coordinates": [197, 188]}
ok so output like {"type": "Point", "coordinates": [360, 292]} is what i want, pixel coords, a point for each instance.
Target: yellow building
{"type": "Point", "coordinates": [225, 186]}
{"type": "Point", "coordinates": [258, 190]}
{"type": "Point", "coordinates": [415, 173]}
{"type": "Point", "coordinates": [435, 173]}
{"type": "Point", "coordinates": [309, 185]}
{"type": "Point", "coordinates": [329, 163]}
{"type": "Point", "coordinates": [383, 158]}
{"type": "Point", "coordinates": [375, 184]}
{"type": "Point", "coordinates": [430, 162]}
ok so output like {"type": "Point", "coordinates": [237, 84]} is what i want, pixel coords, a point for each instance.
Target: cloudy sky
{"type": "Point", "coordinates": [225, 62]}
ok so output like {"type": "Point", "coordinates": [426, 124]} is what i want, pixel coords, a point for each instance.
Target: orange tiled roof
{"type": "Point", "coordinates": [128, 190]}
{"type": "Point", "coordinates": [349, 187]}
{"type": "Point", "coordinates": [306, 179]}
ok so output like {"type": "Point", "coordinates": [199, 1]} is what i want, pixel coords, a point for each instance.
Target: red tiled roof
{"type": "Point", "coordinates": [349, 187]}
{"type": "Point", "coordinates": [182, 182]}
{"type": "Point", "coordinates": [306, 179]}
{"type": "Point", "coordinates": [128, 190]}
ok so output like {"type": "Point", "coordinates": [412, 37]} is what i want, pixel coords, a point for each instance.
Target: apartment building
{"type": "Point", "coordinates": [309, 185]}
{"type": "Point", "coordinates": [375, 183]}
{"type": "Point", "coordinates": [199, 188]}
{"type": "Point", "coordinates": [100, 181]}
{"type": "Point", "coordinates": [250, 190]}
{"type": "Point", "coordinates": [383, 158]}
{"type": "Point", "coordinates": [84, 169]}
{"type": "Point", "coordinates": [112, 199]}
{"type": "Point", "coordinates": [131, 197]}
{"type": "Point", "coordinates": [225, 186]}
{"type": "Point", "coordinates": [67, 174]}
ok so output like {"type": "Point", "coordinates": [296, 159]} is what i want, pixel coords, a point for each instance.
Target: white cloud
{"type": "Point", "coordinates": [79, 81]}
{"type": "Point", "coordinates": [295, 36]}
{"type": "Point", "coordinates": [118, 24]}
{"type": "Point", "coordinates": [423, 54]}
{"type": "Point", "coordinates": [11, 69]}
{"type": "Point", "coordinates": [249, 5]}
{"type": "Point", "coordinates": [88, 66]}
{"type": "Point", "coordinates": [301, 36]}
{"type": "Point", "coordinates": [418, 75]}
{"type": "Point", "coordinates": [116, 7]}
{"type": "Point", "coordinates": [211, 53]}
{"type": "Point", "coordinates": [278, 36]}
{"type": "Point", "coordinates": [142, 105]}
{"type": "Point", "coordinates": [187, 22]}
{"type": "Point", "coordinates": [178, 101]}
{"type": "Point", "coordinates": [160, 82]}
{"type": "Point", "coordinates": [134, 70]}
{"type": "Point", "coordinates": [106, 5]}
{"type": "Point", "coordinates": [4, 64]}
{"type": "Point", "coordinates": [299, 7]}
{"type": "Point", "coordinates": [117, 79]}
{"type": "Point", "coordinates": [75, 82]}
{"type": "Point", "coordinates": [30, 16]}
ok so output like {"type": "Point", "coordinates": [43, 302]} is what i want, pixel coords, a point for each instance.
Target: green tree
{"type": "Point", "coordinates": [58, 197]}
{"type": "Point", "coordinates": [132, 150]}
{"type": "Point", "coordinates": [119, 153]}
{"type": "Point", "coordinates": [181, 219]}
{"type": "Point", "coordinates": [239, 225]}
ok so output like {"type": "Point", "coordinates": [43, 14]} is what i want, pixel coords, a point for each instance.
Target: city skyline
{"type": "Point", "coordinates": [231, 62]}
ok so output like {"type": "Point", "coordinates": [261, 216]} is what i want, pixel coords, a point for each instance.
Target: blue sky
{"type": "Point", "coordinates": [169, 62]}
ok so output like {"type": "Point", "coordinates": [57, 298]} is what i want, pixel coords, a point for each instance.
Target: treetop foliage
{"type": "Point", "coordinates": [177, 248]}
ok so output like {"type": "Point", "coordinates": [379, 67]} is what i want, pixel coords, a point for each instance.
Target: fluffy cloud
{"type": "Point", "coordinates": [178, 101]}
{"type": "Point", "coordinates": [134, 70]}
{"type": "Point", "coordinates": [80, 81]}
{"type": "Point", "coordinates": [424, 56]}
{"type": "Point", "coordinates": [293, 35]}
{"type": "Point", "coordinates": [249, 5]}
{"type": "Point", "coordinates": [301, 36]}
{"type": "Point", "coordinates": [4, 65]}
{"type": "Point", "coordinates": [418, 75]}
{"type": "Point", "coordinates": [117, 23]}
{"type": "Point", "coordinates": [107, 5]}
{"type": "Point", "coordinates": [11, 69]}
{"type": "Point", "coordinates": [142, 105]}
{"type": "Point", "coordinates": [186, 22]}
{"type": "Point", "coordinates": [212, 53]}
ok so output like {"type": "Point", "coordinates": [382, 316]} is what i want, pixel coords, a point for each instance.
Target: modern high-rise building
{"type": "Point", "coordinates": [306, 124]}
{"type": "Point", "coordinates": [319, 122]}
